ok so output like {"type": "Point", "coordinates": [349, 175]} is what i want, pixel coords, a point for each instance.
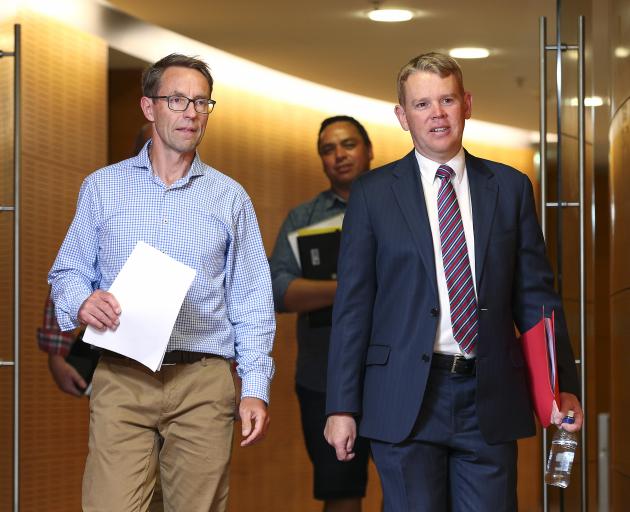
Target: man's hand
{"type": "Point", "coordinates": [341, 433]}
{"type": "Point", "coordinates": [65, 375]}
{"type": "Point", "coordinates": [254, 419]}
{"type": "Point", "coordinates": [100, 310]}
{"type": "Point", "coordinates": [570, 402]}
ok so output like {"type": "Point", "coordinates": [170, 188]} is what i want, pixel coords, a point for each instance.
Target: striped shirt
{"type": "Point", "coordinates": [205, 220]}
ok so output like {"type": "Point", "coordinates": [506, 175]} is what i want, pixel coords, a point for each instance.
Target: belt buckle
{"type": "Point", "coordinates": [456, 358]}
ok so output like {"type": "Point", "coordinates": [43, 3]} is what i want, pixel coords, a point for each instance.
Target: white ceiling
{"type": "Point", "coordinates": [332, 42]}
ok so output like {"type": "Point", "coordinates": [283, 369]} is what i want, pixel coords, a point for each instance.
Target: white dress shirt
{"type": "Point", "coordinates": [444, 341]}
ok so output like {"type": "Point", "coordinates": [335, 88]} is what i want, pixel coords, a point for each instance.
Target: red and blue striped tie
{"type": "Point", "coordinates": [459, 280]}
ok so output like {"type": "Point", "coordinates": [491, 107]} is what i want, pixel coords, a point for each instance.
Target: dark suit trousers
{"type": "Point", "coordinates": [446, 465]}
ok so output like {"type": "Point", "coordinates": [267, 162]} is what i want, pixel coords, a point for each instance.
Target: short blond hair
{"type": "Point", "coordinates": [431, 62]}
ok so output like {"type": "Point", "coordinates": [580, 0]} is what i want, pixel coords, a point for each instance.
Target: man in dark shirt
{"type": "Point", "coordinates": [346, 151]}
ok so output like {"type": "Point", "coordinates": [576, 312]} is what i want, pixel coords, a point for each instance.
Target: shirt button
{"type": "Point", "coordinates": [435, 311]}
{"type": "Point", "coordinates": [165, 221]}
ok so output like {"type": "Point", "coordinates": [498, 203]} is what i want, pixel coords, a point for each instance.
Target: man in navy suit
{"type": "Point", "coordinates": [441, 256]}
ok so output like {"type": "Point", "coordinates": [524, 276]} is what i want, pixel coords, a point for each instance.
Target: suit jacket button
{"type": "Point", "coordinates": [426, 358]}
{"type": "Point", "coordinates": [435, 312]}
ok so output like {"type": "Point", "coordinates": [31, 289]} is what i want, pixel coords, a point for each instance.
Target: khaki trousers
{"type": "Point", "coordinates": [190, 405]}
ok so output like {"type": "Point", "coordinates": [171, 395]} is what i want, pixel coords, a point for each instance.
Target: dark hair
{"type": "Point", "coordinates": [345, 119]}
{"type": "Point", "coordinates": [432, 62]}
{"type": "Point", "coordinates": [153, 74]}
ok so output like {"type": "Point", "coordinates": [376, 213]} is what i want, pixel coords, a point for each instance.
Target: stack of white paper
{"type": "Point", "coordinates": [150, 289]}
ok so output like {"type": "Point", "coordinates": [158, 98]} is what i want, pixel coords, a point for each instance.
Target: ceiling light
{"type": "Point", "coordinates": [622, 52]}
{"type": "Point", "coordinates": [390, 15]}
{"type": "Point", "coordinates": [469, 53]}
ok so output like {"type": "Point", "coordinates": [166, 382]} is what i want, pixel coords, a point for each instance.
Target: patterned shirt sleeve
{"type": "Point", "coordinates": [74, 275]}
{"type": "Point", "coordinates": [249, 303]}
{"type": "Point", "coordinates": [50, 338]}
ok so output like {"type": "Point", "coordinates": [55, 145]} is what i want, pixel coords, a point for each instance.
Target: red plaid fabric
{"type": "Point", "coordinates": [50, 338]}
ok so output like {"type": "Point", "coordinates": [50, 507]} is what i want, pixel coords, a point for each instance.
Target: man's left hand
{"type": "Point", "coordinates": [570, 402]}
{"type": "Point", "coordinates": [254, 419]}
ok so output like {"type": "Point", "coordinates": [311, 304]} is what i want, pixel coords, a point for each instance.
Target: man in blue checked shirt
{"type": "Point", "coordinates": [168, 198]}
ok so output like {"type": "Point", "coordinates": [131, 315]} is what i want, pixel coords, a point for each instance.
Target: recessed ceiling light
{"type": "Point", "coordinates": [469, 53]}
{"type": "Point", "coordinates": [390, 15]}
{"type": "Point", "coordinates": [622, 52]}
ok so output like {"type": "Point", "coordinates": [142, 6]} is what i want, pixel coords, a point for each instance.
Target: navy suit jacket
{"type": "Point", "coordinates": [386, 307]}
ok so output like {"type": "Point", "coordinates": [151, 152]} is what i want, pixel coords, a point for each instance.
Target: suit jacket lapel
{"type": "Point", "coordinates": [483, 194]}
{"type": "Point", "coordinates": [407, 188]}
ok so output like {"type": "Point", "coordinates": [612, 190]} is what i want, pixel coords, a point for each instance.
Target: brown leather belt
{"type": "Point", "coordinates": [454, 364]}
{"type": "Point", "coordinates": [173, 357]}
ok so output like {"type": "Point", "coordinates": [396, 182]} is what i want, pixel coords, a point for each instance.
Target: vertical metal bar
{"type": "Point", "coordinates": [542, 32]}
{"type": "Point", "coordinates": [16, 265]}
{"type": "Point", "coordinates": [559, 148]}
{"type": "Point", "coordinates": [603, 459]}
{"type": "Point", "coordinates": [559, 167]}
{"type": "Point", "coordinates": [581, 165]}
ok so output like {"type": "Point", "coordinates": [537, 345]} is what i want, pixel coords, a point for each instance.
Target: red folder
{"type": "Point", "coordinates": [539, 349]}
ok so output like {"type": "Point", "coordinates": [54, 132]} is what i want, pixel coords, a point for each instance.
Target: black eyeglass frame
{"type": "Point", "coordinates": [211, 103]}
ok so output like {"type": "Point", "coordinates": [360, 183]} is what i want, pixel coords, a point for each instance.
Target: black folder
{"type": "Point", "coordinates": [318, 256]}
{"type": "Point", "coordinates": [84, 359]}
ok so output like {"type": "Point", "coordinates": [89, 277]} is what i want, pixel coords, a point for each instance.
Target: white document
{"type": "Point", "coordinates": [150, 289]}
{"type": "Point", "coordinates": [332, 222]}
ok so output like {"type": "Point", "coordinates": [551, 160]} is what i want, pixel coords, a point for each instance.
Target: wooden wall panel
{"type": "Point", "coordinates": [619, 39]}
{"type": "Point", "coordinates": [620, 415]}
{"type": "Point", "coordinates": [620, 199]}
{"type": "Point", "coordinates": [125, 117]}
{"type": "Point", "coordinates": [64, 121]}
{"type": "Point", "coordinates": [6, 267]}
{"type": "Point", "coordinates": [620, 305]}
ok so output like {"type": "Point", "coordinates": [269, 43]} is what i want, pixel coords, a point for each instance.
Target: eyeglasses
{"type": "Point", "coordinates": [180, 103]}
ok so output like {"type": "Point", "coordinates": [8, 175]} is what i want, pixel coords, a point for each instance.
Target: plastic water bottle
{"type": "Point", "coordinates": [561, 455]}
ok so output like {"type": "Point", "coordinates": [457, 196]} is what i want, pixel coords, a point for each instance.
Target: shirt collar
{"type": "Point", "coordinates": [142, 160]}
{"type": "Point", "coordinates": [330, 198]}
{"type": "Point", "coordinates": [429, 167]}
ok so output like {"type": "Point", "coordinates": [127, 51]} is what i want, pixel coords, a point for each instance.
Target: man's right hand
{"type": "Point", "coordinates": [66, 376]}
{"type": "Point", "coordinates": [100, 310]}
{"type": "Point", "coordinates": [341, 433]}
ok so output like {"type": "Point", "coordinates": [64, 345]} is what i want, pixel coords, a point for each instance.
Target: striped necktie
{"type": "Point", "coordinates": [459, 280]}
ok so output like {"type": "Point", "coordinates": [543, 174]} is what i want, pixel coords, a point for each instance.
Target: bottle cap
{"type": "Point", "coordinates": [569, 418]}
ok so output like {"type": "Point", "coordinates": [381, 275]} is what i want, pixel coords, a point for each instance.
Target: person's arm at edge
{"type": "Point", "coordinates": [304, 295]}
